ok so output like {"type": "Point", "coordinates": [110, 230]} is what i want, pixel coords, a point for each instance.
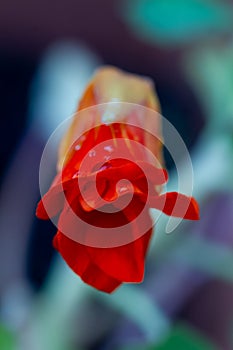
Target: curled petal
{"type": "Point", "coordinates": [91, 194]}
{"type": "Point", "coordinates": [142, 176]}
{"type": "Point", "coordinates": [120, 169]}
{"type": "Point", "coordinates": [176, 204]}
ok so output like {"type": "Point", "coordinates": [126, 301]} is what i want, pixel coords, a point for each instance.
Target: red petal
{"type": "Point", "coordinates": [91, 194]}
{"type": "Point", "coordinates": [76, 257]}
{"type": "Point", "coordinates": [73, 253]}
{"type": "Point", "coordinates": [52, 202]}
{"type": "Point", "coordinates": [126, 262]}
{"type": "Point", "coordinates": [72, 220]}
{"type": "Point", "coordinates": [176, 204]}
{"type": "Point", "coordinates": [95, 277]}
{"type": "Point", "coordinates": [158, 176]}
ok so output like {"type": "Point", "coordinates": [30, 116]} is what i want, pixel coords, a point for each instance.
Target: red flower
{"type": "Point", "coordinates": [108, 184]}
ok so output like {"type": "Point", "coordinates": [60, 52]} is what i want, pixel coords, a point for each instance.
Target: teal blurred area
{"type": "Point", "coordinates": [177, 22]}
{"type": "Point", "coordinates": [48, 52]}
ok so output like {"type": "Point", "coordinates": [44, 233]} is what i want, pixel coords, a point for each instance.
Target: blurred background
{"type": "Point", "coordinates": [48, 52]}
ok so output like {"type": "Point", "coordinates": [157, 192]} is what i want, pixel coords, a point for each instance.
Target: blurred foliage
{"type": "Point", "coordinates": [181, 337]}
{"type": "Point", "coordinates": [210, 72]}
{"type": "Point", "coordinates": [176, 21]}
{"type": "Point", "coordinates": [7, 339]}
{"type": "Point", "coordinates": [214, 258]}
{"type": "Point", "coordinates": [133, 302]}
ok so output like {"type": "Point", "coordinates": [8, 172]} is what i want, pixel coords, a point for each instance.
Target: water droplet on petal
{"type": "Point", "coordinates": [92, 153]}
{"type": "Point", "coordinates": [77, 147]}
{"type": "Point", "coordinates": [122, 189]}
{"type": "Point", "coordinates": [108, 149]}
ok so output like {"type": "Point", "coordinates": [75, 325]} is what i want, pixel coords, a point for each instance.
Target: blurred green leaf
{"type": "Point", "coordinates": [181, 337]}
{"type": "Point", "coordinates": [176, 21]}
{"type": "Point", "coordinates": [7, 339]}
